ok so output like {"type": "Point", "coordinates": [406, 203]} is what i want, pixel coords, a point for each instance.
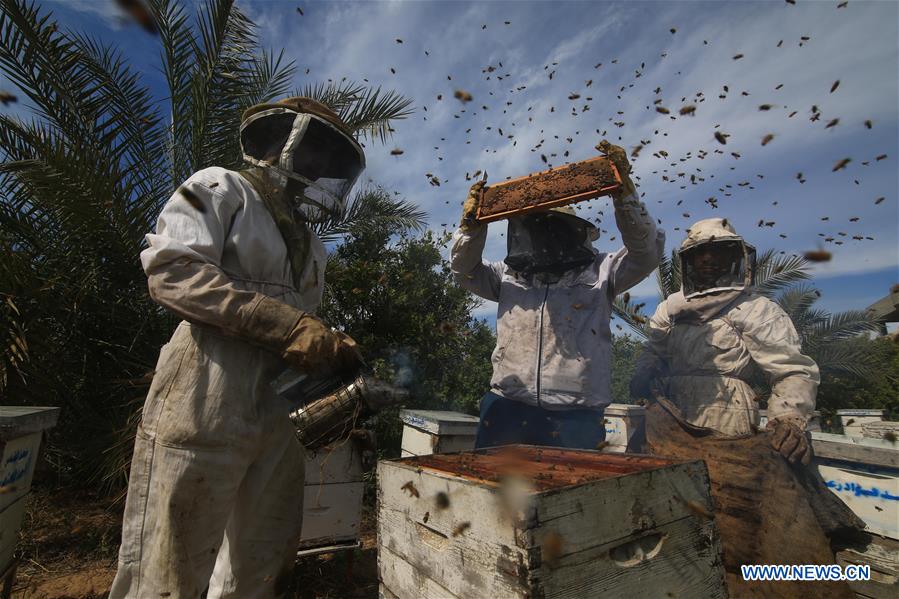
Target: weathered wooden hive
{"type": "Point", "coordinates": [540, 522]}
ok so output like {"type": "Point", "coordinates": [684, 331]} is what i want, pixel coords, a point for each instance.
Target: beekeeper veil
{"type": "Point", "coordinates": [550, 242]}
{"type": "Point", "coordinates": [714, 258]}
{"type": "Point", "coordinates": [306, 150]}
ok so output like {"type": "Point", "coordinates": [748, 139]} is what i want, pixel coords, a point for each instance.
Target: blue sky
{"type": "Point", "coordinates": [856, 45]}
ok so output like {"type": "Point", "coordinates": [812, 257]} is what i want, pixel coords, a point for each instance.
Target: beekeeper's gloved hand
{"type": "Point", "coordinates": [312, 347]}
{"type": "Point", "coordinates": [618, 156]}
{"type": "Point", "coordinates": [470, 207]}
{"type": "Point", "coordinates": [788, 437]}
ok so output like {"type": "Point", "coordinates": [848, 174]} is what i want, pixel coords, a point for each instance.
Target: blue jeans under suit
{"type": "Point", "coordinates": [508, 422]}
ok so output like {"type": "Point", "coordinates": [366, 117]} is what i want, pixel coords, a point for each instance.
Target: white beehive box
{"type": "Point", "coordinates": [852, 420]}
{"type": "Point", "coordinates": [332, 497]}
{"type": "Point", "coordinates": [567, 524]}
{"type": "Point", "coordinates": [436, 431]}
{"type": "Point", "coordinates": [864, 474]}
{"type": "Point", "coordinates": [21, 429]}
{"type": "Point", "coordinates": [625, 427]}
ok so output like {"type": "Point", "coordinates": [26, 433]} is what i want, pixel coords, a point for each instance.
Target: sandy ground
{"type": "Point", "coordinates": [69, 542]}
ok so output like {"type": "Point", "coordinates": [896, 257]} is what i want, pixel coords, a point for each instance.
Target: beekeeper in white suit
{"type": "Point", "coordinates": [705, 341]}
{"type": "Point", "coordinates": [216, 487]}
{"type": "Point", "coordinates": [554, 290]}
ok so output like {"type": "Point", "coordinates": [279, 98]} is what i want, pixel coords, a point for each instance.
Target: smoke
{"type": "Point", "coordinates": [403, 368]}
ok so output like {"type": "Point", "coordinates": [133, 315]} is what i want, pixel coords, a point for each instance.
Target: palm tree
{"type": "Point", "coordinates": [825, 337]}
{"type": "Point", "coordinates": [83, 179]}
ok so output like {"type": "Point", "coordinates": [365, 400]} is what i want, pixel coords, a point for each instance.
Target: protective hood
{"type": "Point", "coordinates": [307, 152]}
{"type": "Point", "coordinates": [736, 267]}
{"type": "Point", "coordinates": [550, 242]}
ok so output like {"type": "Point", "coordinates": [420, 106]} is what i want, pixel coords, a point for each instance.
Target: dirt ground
{"type": "Point", "coordinates": [69, 542]}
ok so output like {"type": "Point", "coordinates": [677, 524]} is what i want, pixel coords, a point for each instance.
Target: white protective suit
{"type": "Point", "coordinates": [702, 350]}
{"type": "Point", "coordinates": [216, 488]}
{"type": "Point", "coordinates": [554, 344]}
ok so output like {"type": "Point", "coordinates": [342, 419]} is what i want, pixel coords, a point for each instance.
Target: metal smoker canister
{"type": "Point", "coordinates": [331, 417]}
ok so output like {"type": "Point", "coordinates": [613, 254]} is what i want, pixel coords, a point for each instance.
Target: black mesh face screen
{"type": "Point", "coordinates": [713, 265]}
{"type": "Point", "coordinates": [323, 152]}
{"type": "Point", "coordinates": [547, 242]}
{"type": "Point", "coordinates": [264, 138]}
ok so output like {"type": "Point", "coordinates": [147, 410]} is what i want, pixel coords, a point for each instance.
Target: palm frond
{"type": "Point", "coordinates": [178, 61]}
{"type": "Point", "coordinates": [774, 272]}
{"type": "Point", "coordinates": [797, 300]}
{"type": "Point", "coordinates": [668, 276]}
{"type": "Point", "coordinates": [844, 358]}
{"type": "Point", "coordinates": [368, 112]}
{"type": "Point", "coordinates": [268, 78]}
{"type": "Point", "coordinates": [631, 315]}
{"type": "Point", "coordinates": [372, 207]}
{"type": "Point", "coordinates": [844, 325]}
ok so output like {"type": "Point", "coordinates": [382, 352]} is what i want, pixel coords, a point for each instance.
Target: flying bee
{"type": "Point", "coordinates": [721, 137]}
{"type": "Point", "coordinates": [688, 110]}
{"type": "Point", "coordinates": [662, 110]}
{"type": "Point", "coordinates": [818, 256]}
{"type": "Point", "coordinates": [461, 528]}
{"type": "Point", "coordinates": [574, 96]}
{"type": "Point", "coordinates": [767, 139]}
{"type": "Point", "coordinates": [832, 123]}
{"type": "Point", "coordinates": [738, 56]}
{"type": "Point", "coordinates": [835, 85]}
{"type": "Point", "coordinates": [396, 152]}
{"type": "Point", "coordinates": [413, 492]}
{"type": "Point", "coordinates": [868, 124]}
{"type": "Point", "coordinates": [192, 199]}
{"type": "Point", "coordinates": [841, 164]}
{"type": "Point", "coordinates": [462, 95]}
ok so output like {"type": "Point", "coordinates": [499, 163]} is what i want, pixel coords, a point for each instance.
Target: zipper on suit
{"type": "Point", "coordinates": [540, 343]}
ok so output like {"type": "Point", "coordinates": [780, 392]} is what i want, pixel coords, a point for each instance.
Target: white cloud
{"type": "Point", "coordinates": [357, 40]}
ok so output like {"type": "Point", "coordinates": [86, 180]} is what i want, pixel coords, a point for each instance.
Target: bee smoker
{"type": "Point", "coordinates": [332, 408]}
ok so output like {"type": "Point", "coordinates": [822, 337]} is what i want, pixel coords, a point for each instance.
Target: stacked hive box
{"type": "Point", "coordinates": [21, 429]}
{"type": "Point", "coordinates": [540, 522]}
{"type": "Point", "coordinates": [435, 431]}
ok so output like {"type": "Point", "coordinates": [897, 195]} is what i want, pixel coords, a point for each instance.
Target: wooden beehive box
{"type": "Point", "coordinates": [437, 431]}
{"type": "Point", "coordinates": [536, 522]}
{"type": "Point", "coordinates": [559, 186]}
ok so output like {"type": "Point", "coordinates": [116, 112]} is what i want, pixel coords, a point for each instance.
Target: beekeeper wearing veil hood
{"type": "Point", "coordinates": [706, 341]}
{"type": "Point", "coordinates": [552, 363]}
{"type": "Point", "coordinates": [216, 487]}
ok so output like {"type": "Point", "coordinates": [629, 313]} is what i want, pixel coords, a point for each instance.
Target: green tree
{"type": "Point", "coordinates": [394, 293]}
{"type": "Point", "coordinates": [82, 181]}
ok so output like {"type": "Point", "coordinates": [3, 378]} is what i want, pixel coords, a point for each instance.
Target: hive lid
{"type": "Point", "coordinates": [16, 421]}
{"type": "Point", "coordinates": [440, 422]}
{"type": "Point", "coordinates": [621, 409]}
{"type": "Point", "coordinates": [545, 468]}
{"type": "Point", "coordinates": [860, 413]}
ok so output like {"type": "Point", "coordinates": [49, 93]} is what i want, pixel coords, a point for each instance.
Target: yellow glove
{"type": "Point", "coordinates": [619, 158]}
{"type": "Point", "coordinates": [788, 437]}
{"type": "Point", "coordinates": [470, 207]}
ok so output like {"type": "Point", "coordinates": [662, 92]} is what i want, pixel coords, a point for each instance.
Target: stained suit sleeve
{"type": "Point", "coordinates": [469, 269]}
{"type": "Point", "coordinates": [183, 267]}
{"type": "Point", "coordinates": [653, 359]}
{"type": "Point", "coordinates": [644, 244]}
{"type": "Point", "coordinates": [774, 345]}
